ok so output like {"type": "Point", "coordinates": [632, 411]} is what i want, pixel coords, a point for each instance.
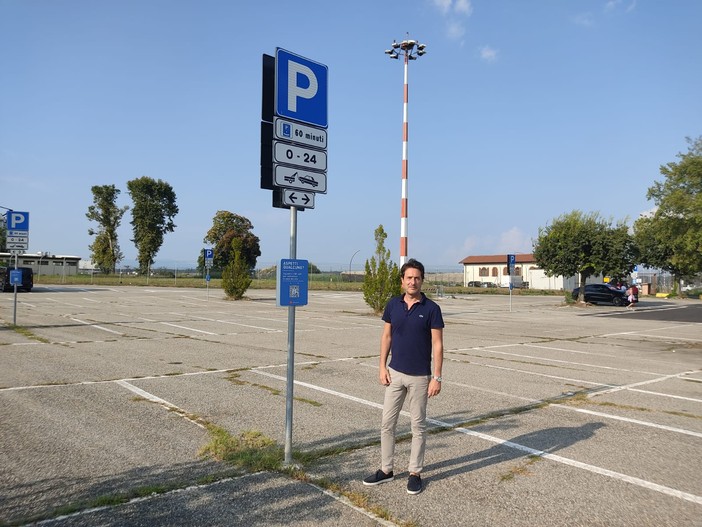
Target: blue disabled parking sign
{"type": "Point", "coordinates": [292, 283]}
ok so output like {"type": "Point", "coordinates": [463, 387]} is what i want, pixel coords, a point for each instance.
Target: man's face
{"type": "Point", "coordinates": [412, 281]}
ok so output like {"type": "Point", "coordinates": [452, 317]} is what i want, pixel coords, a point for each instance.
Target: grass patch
{"type": "Point", "coordinates": [521, 469]}
{"type": "Point", "coordinates": [28, 334]}
{"type": "Point", "coordinates": [307, 401]}
{"type": "Point", "coordinates": [251, 450]}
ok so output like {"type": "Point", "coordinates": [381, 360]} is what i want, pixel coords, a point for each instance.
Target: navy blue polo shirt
{"type": "Point", "coordinates": [411, 334]}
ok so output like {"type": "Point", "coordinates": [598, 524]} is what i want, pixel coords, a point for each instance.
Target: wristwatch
{"type": "Point", "coordinates": [437, 378]}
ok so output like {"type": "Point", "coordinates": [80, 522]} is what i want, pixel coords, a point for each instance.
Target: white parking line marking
{"type": "Point", "coordinates": [629, 420]}
{"type": "Point", "coordinates": [553, 457]}
{"type": "Point", "coordinates": [97, 326]}
{"type": "Point", "coordinates": [666, 395]}
{"type": "Point", "coordinates": [491, 350]}
{"type": "Point", "coordinates": [584, 466]}
{"type": "Point", "coordinates": [516, 370]}
{"type": "Point", "coordinates": [643, 383]}
{"type": "Point", "coordinates": [187, 328]}
{"type": "Point", "coordinates": [154, 399]}
{"type": "Point", "coordinates": [273, 330]}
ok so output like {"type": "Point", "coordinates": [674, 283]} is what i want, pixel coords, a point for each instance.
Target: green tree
{"type": "Point", "coordinates": [3, 235]}
{"type": "Point", "coordinates": [228, 227]}
{"type": "Point", "coordinates": [584, 245]}
{"type": "Point", "coordinates": [671, 239]}
{"type": "Point", "coordinates": [105, 251]}
{"type": "Point", "coordinates": [236, 277]}
{"type": "Point", "coordinates": [382, 279]}
{"type": "Point", "coordinates": [152, 216]}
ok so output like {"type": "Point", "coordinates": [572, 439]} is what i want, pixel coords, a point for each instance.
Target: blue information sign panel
{"type": "Point", "coordinates": [291, 289]}
{"type": "Point", "coordinates": [16, 277]}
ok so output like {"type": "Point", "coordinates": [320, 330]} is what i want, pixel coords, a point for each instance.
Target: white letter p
{"type": "Point", "coordinates": [295, 91]}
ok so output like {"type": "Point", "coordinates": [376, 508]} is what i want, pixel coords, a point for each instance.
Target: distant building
{"type": "Point", "coordinates": [493, 268]}
{"type": "Point", "coordinates": [43, 263]}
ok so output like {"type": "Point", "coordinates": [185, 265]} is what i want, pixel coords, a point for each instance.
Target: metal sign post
{"type": "Point", "coordinates": [511, 260]}
{"type": "Point", "coordinates": [294, 166]}
{"type": "Point", "coordinates": [291, 349]}
{"type": "Point", "coordinates": [209, 259]}
{"type": "Point", "coordinates": [14, 312]}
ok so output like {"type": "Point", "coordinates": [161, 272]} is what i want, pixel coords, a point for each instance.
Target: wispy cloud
{"type": "Point", "coordinates": [584, 19]}
{"type": "Point", "coordinates": [613, 5]}
{"type": "Point", "coordinates": [488, 54]}
{"type": "Point", "coordinates": [514, 241]}
{"type": "Point", "coordinates": [456, 12]}
{"type": "Point", "coordinates": [463, 7]}
{"type": "Point", "coordinates": [455, 30]}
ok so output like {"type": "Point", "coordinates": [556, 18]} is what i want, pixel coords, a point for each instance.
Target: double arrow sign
{"type": "Point", "coordinates": [297, 199]}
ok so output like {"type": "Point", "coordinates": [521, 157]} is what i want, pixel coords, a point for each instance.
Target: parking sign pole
{"type": "Point", "coordinates": [14, 312]}
{"type": "Point", "coordinates": [291, 350]}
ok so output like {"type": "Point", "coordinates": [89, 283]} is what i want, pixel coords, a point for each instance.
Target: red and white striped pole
{"type": "Point", "coordinates": [408, 48]}
{"type": "Point", "coordinates": [403, 202]}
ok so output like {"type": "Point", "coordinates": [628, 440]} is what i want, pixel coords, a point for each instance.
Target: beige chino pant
{"type": "Point", "coordinates": [414, 388]}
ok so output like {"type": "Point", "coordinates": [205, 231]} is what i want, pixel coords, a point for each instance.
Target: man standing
{"type": "Point", "coordinates": [413, 333]}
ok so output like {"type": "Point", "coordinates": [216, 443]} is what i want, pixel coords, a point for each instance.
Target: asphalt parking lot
{"type": "Point", "coordinates": [549, 414]}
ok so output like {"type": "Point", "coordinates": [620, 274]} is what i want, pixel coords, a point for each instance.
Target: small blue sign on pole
{"type": "Point", "coordinates": [16, 277]}
{"type": "Point", "coordinates": [292, 283]}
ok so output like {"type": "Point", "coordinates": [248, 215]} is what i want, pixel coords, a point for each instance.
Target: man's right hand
{"type": "Point", "coordinates": [384, 377]}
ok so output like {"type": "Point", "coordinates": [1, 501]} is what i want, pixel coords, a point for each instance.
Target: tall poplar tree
{"type": "Point", "coordinates": [105, 251]}
{"type": "Point", "coordinates": [152, 217]}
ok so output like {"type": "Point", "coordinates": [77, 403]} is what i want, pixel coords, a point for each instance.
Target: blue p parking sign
{"type": "Point", "coordinates": [301, 89]}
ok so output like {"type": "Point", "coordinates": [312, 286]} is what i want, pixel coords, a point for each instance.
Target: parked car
{"type": "Point", "coordinates": [488, 284]}
{"type": "Point", "coordinates": [27, 279]}
{"type": "Point", "coordinates": [475, 284]}
{"type": "Point", "coordinates": [597, 293]}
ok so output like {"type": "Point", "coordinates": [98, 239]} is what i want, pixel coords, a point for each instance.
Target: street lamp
{"type": "Point", "coordinates": [350, 262]}
{"type": "Point", "coordinates": [411, 49]}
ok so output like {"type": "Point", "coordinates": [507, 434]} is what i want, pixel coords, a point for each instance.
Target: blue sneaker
{"type": "Point", "coordinates": [414, 484]}
{"type": "Point", "coordinates": [378, 478]}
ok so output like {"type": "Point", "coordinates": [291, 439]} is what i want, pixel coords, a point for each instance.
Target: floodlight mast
{"type": "Point", "coordinates": [411, 49]}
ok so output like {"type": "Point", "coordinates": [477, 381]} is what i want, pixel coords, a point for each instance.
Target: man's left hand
{"type": "Point", "coordinates": [434, 388]}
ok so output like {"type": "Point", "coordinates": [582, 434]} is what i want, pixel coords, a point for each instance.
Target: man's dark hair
{"type": "Point", "coordinates": [412, 264]}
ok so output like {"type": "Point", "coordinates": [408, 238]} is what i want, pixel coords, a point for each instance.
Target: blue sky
{"type": "Point", "coordinates": [519, 112]}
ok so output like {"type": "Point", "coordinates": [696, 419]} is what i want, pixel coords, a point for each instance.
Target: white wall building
{"type": "Point", "coordinates": [493, 268]}
{"type": "Point", "coordinates": [43, 263]}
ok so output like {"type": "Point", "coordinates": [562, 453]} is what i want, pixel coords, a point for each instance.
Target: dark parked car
{"type": "Point", "coordinates": [596, 293]}
{"type": "Point", "coordinates": [475, 284]}
{"type": "Point", "coordinates": [27, 279]}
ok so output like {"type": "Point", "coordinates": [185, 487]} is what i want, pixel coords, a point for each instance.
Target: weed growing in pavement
{"type": "Point", "coordinates": [26, 333]}
{"type": "Point", "coordinates": [251, 450]}
{"type": "Point", "coordinates": [521, 469]}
